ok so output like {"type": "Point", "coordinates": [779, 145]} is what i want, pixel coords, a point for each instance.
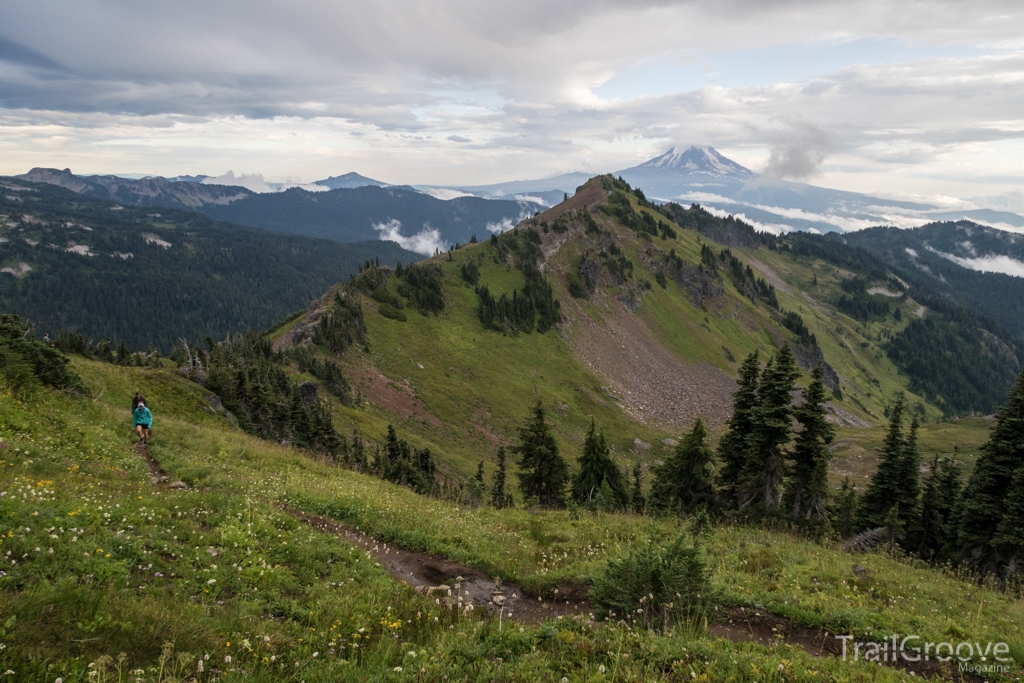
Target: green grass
{"type": "Point", "coordinates": [134, 566]}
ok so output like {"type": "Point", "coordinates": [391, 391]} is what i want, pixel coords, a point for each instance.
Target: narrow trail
{"type": "Point", "coordinates": [434, 575]}
{"type": "Point", "coordinates": [446, 581]}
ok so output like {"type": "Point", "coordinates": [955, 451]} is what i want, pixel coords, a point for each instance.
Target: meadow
{"type": "Point", "coordinates": [221, 582]}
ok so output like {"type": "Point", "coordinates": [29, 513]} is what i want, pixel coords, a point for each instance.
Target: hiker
{"type": "Point", "coordinates": [139, 398]}
{"type": "Point", "coordinates": [143, 422]}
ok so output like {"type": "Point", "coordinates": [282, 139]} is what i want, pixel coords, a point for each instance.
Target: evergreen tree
{"type": "Point", "coordinates": [684, 482]}
{"type": "Point", "coordinates": [989, 489]}
{"type": "Point", "coordinates": [910, 482]}
{"type": "Point", "coordinates": [498, 496]}
{"type": "Point", "coordinates": [940, 491]}
{"type": "Point", "coordinates": [637, 499]}
{"type": "Point", "coordinates": [807, 493]}
{"type": "Point", "coordinates": [543, 472]}
{"type": "Point", "coordinates": [1009, 538]}
{"type": "Point", "coordinates": [359, 463]}
{"type": "Point", "coordinates": [732, 448]}
{"type": "Point", "coordinates": [763, 473]}
{"type": "Point", "coordinates": [885, 487]}
{"type": "Point", "coordinates": [597, 468]}
{"type": "Point", "coordinates": [480, 475]}
{"type": "Point", "coordinates": [893, 525]}
{"type": "Point", "coordinates": [845, 509]}
{"type": "Point", "coordinates": [123, 356]}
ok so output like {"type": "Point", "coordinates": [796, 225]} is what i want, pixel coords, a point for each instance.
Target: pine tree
{"type": "Point", "coordinates": [480, 475]}
{"type": "Point", "coordinates": [685, 482]}
{"type": "Point", "coordinates": [732, 448]}
{"type": "Point", "coordinates": [885, 487]}
{"type": "Point", "coordinates": [596, 468]}
{"type": "Point", "coordinates": [987, 493]}
{"type": "Point", "coordinates": [893, 525]}
{"type": "Point", "coordinates": [763, 473]}
{"type": "Point", "coordinates": [910, 482]}
{"type": "Point", "coordinates": [1009, 538]}
{"type": "Point", "coordinates": [543, 472]}
{"type": "Point", "coordinates": [637, 500]}
{"type": "Point", "coordinates": [123, 356]}
{"type": "Point", "coordinates": [498, 498]}
{"type": "Point", "coordinates": [807, 493]}
{"type": "Point", "coordinates": [845, 509]}
{"type": "Point", "coordinates": [359, 463]}
{"type": "Point", "coordinates": [940, 491]}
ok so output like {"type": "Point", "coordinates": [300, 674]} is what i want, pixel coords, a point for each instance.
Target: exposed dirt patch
{"type": "Point", "coordinates": [157, 475]}
{"type": "Point", "coordinates": [653, 385]}
{"type": "Point", "coordinates": [398, 398]}
{"type": "Point", "coordinates": [435, 576]}
{"type": "Point", "coordinates": [770, 275]}
{"type": "Point", "coordinates": [302, 331]}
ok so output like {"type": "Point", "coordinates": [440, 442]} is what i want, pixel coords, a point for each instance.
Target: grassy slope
{"type": "Point", "coordinates": [222, 571]}
{"type": "Point", "coordinates": [480, 383]}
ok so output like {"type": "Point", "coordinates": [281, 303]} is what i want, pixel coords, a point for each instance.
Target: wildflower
{"type": "Point", "coordinates": [398, 669]}
{"type": "Point", "coordinates": [211, 582]}
{"type": "Point", "coordinates": [199, 669]}
{"type": "Point", "coordinates": [315, 655]}
{"type": "Point", "coordinates": [601, 668]}
{"type": "Point", "coordinates": [227, 659]}
{"type": "Point", "coordinates": [412, 653]}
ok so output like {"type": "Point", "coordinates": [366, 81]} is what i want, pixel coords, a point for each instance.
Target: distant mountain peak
{"type": "Point", "coordinates": [698, 161]}
{"type": "Point", "coordinates": [349, 181]}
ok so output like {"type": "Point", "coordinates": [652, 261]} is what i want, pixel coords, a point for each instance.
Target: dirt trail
{"type": "Point", "coordinates": [157, 475]}
{"type": "Point", "coordinates": [434, 575]}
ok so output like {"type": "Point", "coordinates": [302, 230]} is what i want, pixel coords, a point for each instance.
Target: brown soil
{"type": "Point", "coordinates": [157, 475]}
{"type": "Point", "coordinates": [651, 383]}
{"type": "Point", "coordinates": [390, 395]}
{"type": "Point", "coordinates": [770, 275]}
{"type": "Point", "coordinates": [434, 575]}
{"type": "Point", "coordinates": [741, 625]}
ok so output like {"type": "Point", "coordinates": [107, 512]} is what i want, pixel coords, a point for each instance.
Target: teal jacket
{"type": "Point", "coordinates": [143, 416]}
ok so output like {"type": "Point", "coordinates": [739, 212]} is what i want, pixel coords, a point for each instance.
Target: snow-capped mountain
{"type": "Point", "coordinates": [699, 161]}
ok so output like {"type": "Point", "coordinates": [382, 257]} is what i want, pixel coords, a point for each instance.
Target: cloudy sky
{"type": "Point", "coordinates": [900, 98]}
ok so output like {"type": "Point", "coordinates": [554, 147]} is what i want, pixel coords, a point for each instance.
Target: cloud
{"type": "Point", "coordinates": [988, 264]}
{"type": "Point", "coordinates": [445, 193]}
{"type": "Point", "coordinates": [457, 138]}
{"type": "Point", "coordinates": [798, 150]}
{"type": "Point", "coordinates": [426, 241]}
{"type": "Point", "coordinates": [504, 225]}
{"type": "Point", "coordinates": [250, 181]}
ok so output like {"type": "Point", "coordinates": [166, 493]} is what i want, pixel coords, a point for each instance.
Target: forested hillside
{"type": "Point", "coordinates": [351, 214]}
{"type": "Point", "coordinates": [146, 277]}
{"type": "Point", "coordinates": [924, 258]}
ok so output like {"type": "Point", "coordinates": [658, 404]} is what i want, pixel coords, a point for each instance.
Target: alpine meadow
{"type": "Point", "coordinates": [513, 342]}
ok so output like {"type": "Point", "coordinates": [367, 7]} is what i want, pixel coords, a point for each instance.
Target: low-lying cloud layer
{"type": "Point", "coordinates": [427, 241]}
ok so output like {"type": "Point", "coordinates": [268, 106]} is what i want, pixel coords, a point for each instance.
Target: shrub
{"type": "Point", "coordinates": [652, 586]}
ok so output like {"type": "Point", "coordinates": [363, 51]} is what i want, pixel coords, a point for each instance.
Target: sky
{"type": "Point", "coordinates": [899, 98]}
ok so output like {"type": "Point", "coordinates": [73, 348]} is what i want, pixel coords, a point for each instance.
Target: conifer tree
{"type": "Point", "coordinates": [637, 500]}
{"type": "Point", "coordinates": [596, 468]}
{"type": "Point", "coordinates": [1009, 538]}
{"type": "Point", "coordinates": [684, 482]}
{"type": "Point", "coordinates": [543, 472]}
{"type": "Point", "coordinates": [807, 492]}
{"type": "Point", "coordinates": [498, 497]}
{"type": "Point", "coordinates": [939, 494]}
{"type": "Point", "coordinates": [732, 448]}
{"type": "Point", "coordinates": [480, 475]}
{"type": "Point", "coordinates": [893, 525]}
{"type": "Point", "coordinates": [910, 482]}
{"type": "Point", "coordinates": [885, 487]}
{"type": "Point", "coordinates": [359, 463]}
{"type": "Point", "coordinates": [989, 490]}
{"type": "Point", "coordinates": [845, 509]}
{"type": "Point", "coordinates": [765, 468]}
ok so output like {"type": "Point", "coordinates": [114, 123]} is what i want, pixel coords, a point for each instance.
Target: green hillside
{"type": "Point", "coordinates": [222, 581]}
{"type": "Point", "coordinates": [651, 341]}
